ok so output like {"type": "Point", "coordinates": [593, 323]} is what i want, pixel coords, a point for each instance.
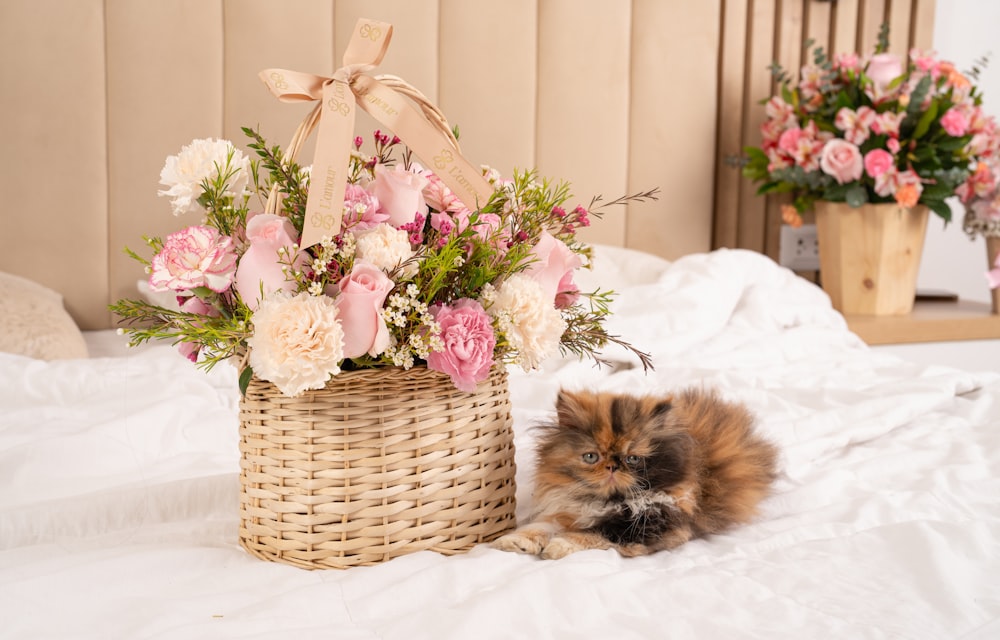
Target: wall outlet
{"type": "Point", "coordinates": [799, 248]}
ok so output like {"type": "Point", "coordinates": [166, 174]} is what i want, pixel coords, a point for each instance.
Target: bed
{"type": "Point", "coordinates": [119, 519]}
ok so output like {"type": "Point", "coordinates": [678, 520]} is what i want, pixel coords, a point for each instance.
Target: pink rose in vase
{"type": "Point", "coordinates": [954, 122]}
{"type": "Point", "coordinates": [842, 160]}
{"type": "Point", "coordinates": [877, 162]}
{"type": "Point", "coordinates": [883, 68]}
{"type": "Point", "coordinates": [468, 339]}
{"type": "Point", "coordinates": [194, 257]}
{"type": "Point", "coordinates": [262, 267]}
{"type": "Point", "coordinates": [362, 292]}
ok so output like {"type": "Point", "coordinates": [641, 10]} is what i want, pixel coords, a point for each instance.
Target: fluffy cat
{"type": "Point", "coordinates": [642, 474]}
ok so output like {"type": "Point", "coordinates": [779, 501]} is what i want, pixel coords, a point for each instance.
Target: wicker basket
{"type": "Point", "coordinates": [380, 463]}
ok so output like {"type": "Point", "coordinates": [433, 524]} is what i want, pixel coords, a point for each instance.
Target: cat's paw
{"type": "Point", "coordinates": [527, 542]}
{"type": "Point", "coordinates": [559, 547]}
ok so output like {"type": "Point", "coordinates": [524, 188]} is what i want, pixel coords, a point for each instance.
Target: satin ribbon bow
{"type": "Point", "coordinates": [349, 87]}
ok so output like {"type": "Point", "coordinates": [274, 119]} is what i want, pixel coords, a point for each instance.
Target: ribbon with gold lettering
{"type": "Point", "coordinates": [350, 87]}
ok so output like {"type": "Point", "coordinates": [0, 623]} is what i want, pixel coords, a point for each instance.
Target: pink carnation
{"type": "Point", "coordinates": [468, 338]}
{"type": "Point", "coordinates": [194, 257]}
{"type": "Point", "coordinates": [361, 208]}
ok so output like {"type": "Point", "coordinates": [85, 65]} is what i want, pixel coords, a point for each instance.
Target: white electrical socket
{"type": "Point", "coordinates": [799, 248]}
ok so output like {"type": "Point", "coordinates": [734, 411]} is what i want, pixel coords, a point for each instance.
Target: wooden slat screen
{"type": "Point", "coordinates": [755, 33]}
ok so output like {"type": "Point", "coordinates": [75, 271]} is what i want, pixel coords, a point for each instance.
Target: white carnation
{"type": "Point", "coordinates": [529, 320]}
{"type": "Point", "coordinates": [184, 173]}
{"type": "Point", "coordinates": [298, 341]}
{"type": "Point", "coordinates": [386, 247]}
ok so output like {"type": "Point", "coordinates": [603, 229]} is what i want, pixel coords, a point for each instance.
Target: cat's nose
{"type": "Point", "coordinates": [612, 467]}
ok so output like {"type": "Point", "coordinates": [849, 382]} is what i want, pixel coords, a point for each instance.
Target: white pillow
{"type": "Point", "coordinates": [34, 323]}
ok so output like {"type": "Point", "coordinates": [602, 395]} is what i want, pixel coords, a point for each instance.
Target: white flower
{"type": "Point", "coordinates": [386, 247]}
{"type": "Point", "coordinates": [298, 341]}
{"type": "Point", "coordinates": [200, 160]}
{"type": "Point", "coordinates": [529, 320]}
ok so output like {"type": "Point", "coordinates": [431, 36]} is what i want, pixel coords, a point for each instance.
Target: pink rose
{"type": "Point", "coordinates": [194, 257]}
{"type": "Point", "coordinates": [399, 193]}
{"type": "Point", "coordinates": [842, 160]}
{"type": "Point", "coordinates": [883, 69]}
{"type": "Point", "coordinates": [553, 262]}
{"type": "Point", "coordinates": [954, 122]}
{"type": "Point", "coordinates": [877, 162]}
{"type": "Point", "coordinates": [194, 304]}
{"type": "Point", "coordinates": [568, 293]}
{"type": "Point", "coordinates": [261, 270]}
{"type": "Point", "coordinates": [362, 293]}
{"type": "Point", "coordinates": [468, 339]}
{"type": "Point", "coordinates": [361, 209]}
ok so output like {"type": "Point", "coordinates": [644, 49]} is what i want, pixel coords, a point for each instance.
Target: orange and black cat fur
{"type": "Point", "coordinates": [642, 474]}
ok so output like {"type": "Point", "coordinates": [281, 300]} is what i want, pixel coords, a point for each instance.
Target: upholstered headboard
{"type": "Point", "coordinates": [615, 96]}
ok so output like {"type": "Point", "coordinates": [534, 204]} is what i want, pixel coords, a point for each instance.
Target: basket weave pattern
{"type": "Point", "coordinates": [380, 463]}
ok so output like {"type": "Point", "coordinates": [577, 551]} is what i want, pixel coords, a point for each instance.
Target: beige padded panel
{"type": "Point", "coordinates": [53, 170]}
{"type": "Point", "coordinates": [247, 102]}
{"type": "Point", "coordinates": [488, 79]}
{"type": "Point", "coordinates": [582, 128]}
{"type": "Point", "coordinates": [671, 145]}
{"type": "Point", "coordinates": [615, 96]}
{"type": "Point", "coordinates": [164, 71]}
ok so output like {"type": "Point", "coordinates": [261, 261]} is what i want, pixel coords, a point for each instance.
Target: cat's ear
{"type": "Point", "coordinates": [569, 407]}
{"type": "Point", "coordinates": [662, 407]}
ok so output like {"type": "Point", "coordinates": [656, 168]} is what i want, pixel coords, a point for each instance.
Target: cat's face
{"type": "Point", "coordinates": [610, 445]}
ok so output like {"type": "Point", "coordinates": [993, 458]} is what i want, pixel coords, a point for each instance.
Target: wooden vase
{"type": "Point", "coordinates": [869, 256]}
{"type": "Point", "coordinates": [992, 251]}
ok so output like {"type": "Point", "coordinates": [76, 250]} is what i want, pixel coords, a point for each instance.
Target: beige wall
{"type": "Point", "coordinates": [614, 95]}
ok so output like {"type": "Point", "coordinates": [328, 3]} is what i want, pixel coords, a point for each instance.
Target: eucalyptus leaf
{"type": "Point", "coordinates": [924, 124]}
{"type": "Point", "coordinates": [856, 196]}
{"type": "Point", "coordinates": [244, 381]}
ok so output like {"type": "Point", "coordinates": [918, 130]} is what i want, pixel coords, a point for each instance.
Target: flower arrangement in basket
{"type": "Point", "coordinates": [873, 130]}
{"type": "Point", "coordinates": [372, 302]}
{"type": "Point", "coordinates": [412, 274]}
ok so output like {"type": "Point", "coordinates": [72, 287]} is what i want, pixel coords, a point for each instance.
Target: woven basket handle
{"type": "Point", "coordinates": [308, 124]}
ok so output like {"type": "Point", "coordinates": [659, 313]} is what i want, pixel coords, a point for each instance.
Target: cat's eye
{"type": "Point", "coordinates": [590, 457]}
{"type": "Point", "coordinates": [632, 460]}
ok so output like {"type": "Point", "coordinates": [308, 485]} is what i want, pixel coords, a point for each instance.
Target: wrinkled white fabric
{"type": "Point", "coordinates": [119, 489]}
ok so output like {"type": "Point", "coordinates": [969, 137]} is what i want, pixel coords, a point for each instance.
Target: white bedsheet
{"type": "Point", "coordinates": [118, 493]}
